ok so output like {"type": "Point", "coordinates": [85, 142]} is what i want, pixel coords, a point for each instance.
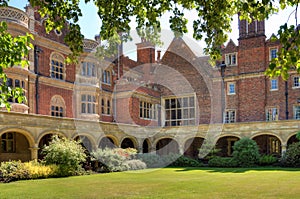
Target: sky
{"type": "Point", "coordinates": [90, 26]}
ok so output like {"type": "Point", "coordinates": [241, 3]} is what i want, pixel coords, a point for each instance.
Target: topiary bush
{"type": "Point", "coordinates": [246, 152]}
{"type": "Point", "coordinates": [66, 154]}
{"type": "Point", "coordinates": [222, 162]}
{"type": "Point", "coordinates": [291, 158]}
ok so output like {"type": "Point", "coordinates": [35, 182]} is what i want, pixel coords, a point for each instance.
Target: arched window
{"type": "Point", "coordinates": [57, 66]}
{"type": "Point", "coordinates": [57, 107]}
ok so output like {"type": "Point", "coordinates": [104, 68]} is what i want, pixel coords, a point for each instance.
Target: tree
{"type": "Point", "coordinates": [13, 50]}
{"type": "Point", "coordinates": [214, 20]}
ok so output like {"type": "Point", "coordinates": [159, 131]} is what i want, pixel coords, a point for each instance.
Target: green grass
{"type": "Point", "coordinates": [165, 183]}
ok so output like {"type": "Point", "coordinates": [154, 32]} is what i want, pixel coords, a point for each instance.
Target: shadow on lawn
{"type": "Point", "coordinates": [235, 170]}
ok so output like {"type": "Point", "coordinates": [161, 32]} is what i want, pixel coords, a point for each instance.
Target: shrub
{"type": "Point", "coordinates": [111, 160]}
{"type": "Point", "coordinates": [266, 160]}
{"type": "Point", "coordinates": [184, 161]}
{"type": "Point", "coordinates": [67, 154]}
{"type": "Point", "coordinates": [291, 157]}
{"type": "Point", "coordinates": [12, 171]}
{"type": "Point", "coordinates": [246, 152]}
{"type": "Point", "coordinates": [152, 160]}
{"type": "Point", "coordinates": [222, 162]}
{"type": "Point", "coordinates": [16, 170]}
{"type": "Point", "coordinates": [135, 164]}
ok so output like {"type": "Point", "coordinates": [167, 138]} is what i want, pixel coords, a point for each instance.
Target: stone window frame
{"type": "Point", "coordinates": [106, 76]}
{"type": "Point", "coordinates": [148, 110]}
{"type": "Point", "coordinates": [180, 110]}
{"type": "Point", "coordinates": [11, 82]}
{"type": "Point", "coordinates": [88, 103]}
{"type": "Point", "coordinates": [57, 106]}
{"type": "Point", "coordinates": [230, 116]}
{"type": "Point", "coordinates": [6, 139]}
{"type": "Point", "coordinates": [231, 59]}
{"type": "Point", "coordinates": [106, 106]}
{"type": "Point", "coordinates": [271, 51]}
{"type": "Point", "coordinates": [272, 81]}
{"type": "Point", "coordinates": [58, 69]}
{"type": "Point", "coordinates": [270, 113]}
{"type": "Point", "coordinates": [86, 66]}
{"type": "Point", "coordinates": [229, 89]}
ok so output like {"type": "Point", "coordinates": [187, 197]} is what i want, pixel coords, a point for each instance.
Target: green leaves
{"type": "Point", "coordinates": [288, 56]}
{"type": "Point", "coordinates": [13, 52]}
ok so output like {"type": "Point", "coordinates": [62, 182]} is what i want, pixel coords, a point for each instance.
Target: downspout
{"type": "Point", "coordinates": [37, 50]}
{"type": "Point", "coordinates": [286, 101]}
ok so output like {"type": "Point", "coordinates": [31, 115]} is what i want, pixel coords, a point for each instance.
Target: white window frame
{"type": "Point", "coordinates": [296, 111]}
{"type": "Point", "coordinates": [58, 69]}
{"type": "Point", "coordinates": [229, 84]}
{"type": "Point", "coordinates": [272, 84]}
{"type": "Point", "coordinates": [272, 114]}
{"type": "Point", "coordinates": [148, 110]}
{"type": "Point", "coordinates": [270, 52]}
{"type": "Point", "coordinates": [180, 110]}
{"type": "Point", "coordinates": [296, 82]}
{"type": "Point", "coordinates": [230, 116]}
{"type": "Point", "coordinates": [231, 59]}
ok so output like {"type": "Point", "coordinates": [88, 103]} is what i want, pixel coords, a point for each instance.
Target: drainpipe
{"type": "Point", "coordinates": [37, 50]}
{"type": "Point", "coordinates": [286, 101]}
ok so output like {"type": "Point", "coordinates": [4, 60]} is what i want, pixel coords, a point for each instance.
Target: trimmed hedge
{"type": "Point", "coordinates": [222, 162]}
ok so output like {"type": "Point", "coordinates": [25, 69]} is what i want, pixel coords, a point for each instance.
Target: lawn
{"type": "Point", "coordinates": [165, 183]}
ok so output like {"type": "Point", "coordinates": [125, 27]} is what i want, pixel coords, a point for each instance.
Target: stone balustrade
{"type": "Point", "coordinates": [10, 14]}
{"type": "Point", "coordinates": [89, 45]}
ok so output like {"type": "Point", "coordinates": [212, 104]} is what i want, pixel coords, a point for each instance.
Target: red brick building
{"type": "Point", "coordinates": [157, 104]}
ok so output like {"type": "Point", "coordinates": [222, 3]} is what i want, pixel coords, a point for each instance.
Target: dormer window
{"type": "Point", "coordinates": [231, 59]}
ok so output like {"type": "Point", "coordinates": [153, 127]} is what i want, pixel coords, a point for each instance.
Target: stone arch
{"type": "Point", "coordinates": [108, 141]}
{"type": "Point", "coordinates": [225, 145]}
{"type": "Point", "coordinates": [268, 143]}
{"type": "Point", "coordinates": [44, 139]}
{"type": "Point", "coordinates": [57, 106]}
{"type": "Point", "coordinates": [192, 146]}
{"type": "Point", "coordinates": [165, 146]}
{"type": "Point", "coordinates": [146, 146]}
{"type": "Point", "coordinates": [24, 132]}
{"type": "Point", "coordinates": [128, 142]}
{"type": "Point", "coordinates": [292, 139]}
{"type": "Point", "coordinates": [85, 141]}
{"type": "Point", "coordinates": [15, 145]}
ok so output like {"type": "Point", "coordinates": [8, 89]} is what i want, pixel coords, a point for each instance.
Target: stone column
{"type": "Point", "coordinates": [283, 149]}
{"type": "Point", "coordinates": [34, 152]}
{"type": "Point", "coordinates": [140, 142]}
